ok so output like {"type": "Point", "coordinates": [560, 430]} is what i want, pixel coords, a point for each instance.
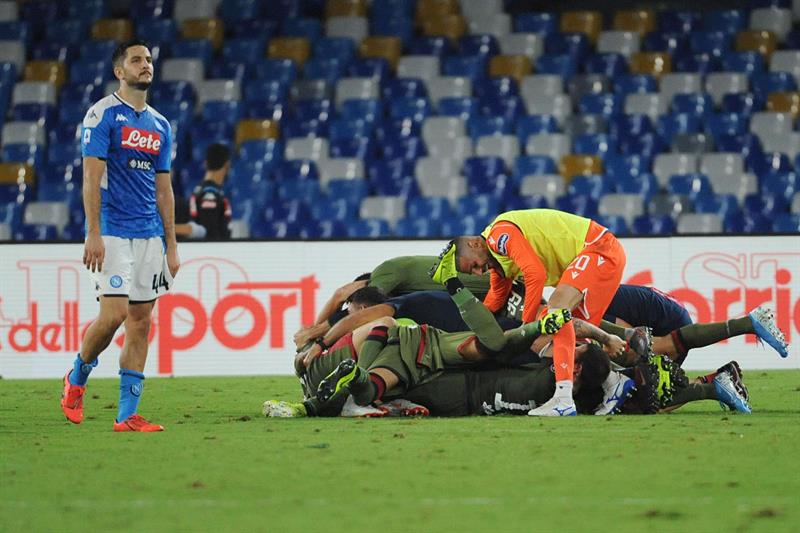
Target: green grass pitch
{"type": "Point", "coordinates": [220, 466]}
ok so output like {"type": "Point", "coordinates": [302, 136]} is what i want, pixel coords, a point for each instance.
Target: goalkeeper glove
{"type": "Point", "coordinates": [553, 321]}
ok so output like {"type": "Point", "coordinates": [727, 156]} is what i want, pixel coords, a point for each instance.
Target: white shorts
{"type": "Point", "coordinates": [136, 268]}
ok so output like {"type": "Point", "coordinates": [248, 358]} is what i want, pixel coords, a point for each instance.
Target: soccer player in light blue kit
{"type": "Point", "coordinates": [130, 245]}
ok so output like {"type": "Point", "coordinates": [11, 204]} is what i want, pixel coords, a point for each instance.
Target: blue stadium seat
{"type": "Point", "coordinates": [679, 21]}
{"type": "Point", "coordinates": [44, 114]}
{"type": "Point", "coordinates": [787, 223]}
{"type": "Point", "coordinates": [646, 145]}
{"type": "Point", "coordinates": [394, 185]}
{"type": "Point", "coordinates": [463, 107]}
{"type": "Point", "coordinates": [96, 73]}
{"type": "Point", "coordinates": [575, 45]}
{"type": "Point", "coordinates": [616, 224]}
{"type": "Point", "coordinates": [478, 45]}
{"type": "Point", "coordinates": [56, 51]}
{"type": "Point", "coordinates": [489, 125]}
{"type": "Point", "coordinates": [393, 8]}
{"type": "Point", "coordinates": [229, 112]}
{"type": "Point", "coordinates": [749, 223]}
{"type": "Point", "coordinates": [392, 26]}
{"type": "Point", "coordinates": [724, 205]}
{"type": "Point", "coordinates": [270, 150]}
{"type": "Point", "coordinates": [710, 42]}
{"type": "Point", "coordinates": [171, 91]}
{"type": "Point", "coordinates": [563, 65]}
{"type": "Point", "coordinates": [626, 84]}
{"type": "Point", "coordinates": [39, 16]}
{"type": "Point", "coordinates": [742, 103]}
{"type": "Point", "coordinates": [438, 46]}
{"type": "Point", "coordinates": [792, 41]}
{"type": "Point", "coordinates": [479, 205]}
{"type": "Point", "coordinates": [264, 90]}
{"type": "Point", "coordinates": [234, 11]}
{"type": "Point", "coordinates": [605, 104]}
{"type": "Point", "coordinates": [418, 227]}
{"type": "Point", "coordinates": [345, 129]}
{"type": "Point", "coordinates": [765, 164]}
{"type": "Point", "coordinates": [465, 225]}
{"type": "Point", "coordinates": [16, 30]}
{"type": "Point", "coordinates": [244, 50]}
{"type": "Point", "coordinates": [352, 190]}
{"type": "Point", "coordinates": [70, 31]}
{"type": "Point", "coordinates": [782, 184]}
{"type": "Point", "coordinates": [365, 109]}
{"type": "Point", "coordinates": [336, 209]}
{"type": "Point", "coordinates": [533, 165]}
{"type": "Point", "coordinates": [700, 63]}
{"type": "Point", "coordinates": [610, 64]}
{"type": "Point", "coordinates": [338, 47]}
{"type": "Point", "coordinates": [68, 153]}
{"type": "Point", "coordinates": [695, 186]}
{"type": "Point", "coordinates": [156, 30]}
{"type": "Point", "coordinates": [593, 186]}
{"type": "Point", "coordinates": [404, 88]}
{"type": "Point", "coordinates": [768, 205]}
{"type": "Point", "coordinates": [97, 51]}
{"type": "Point", "coordinates": [621, 166]}
{"type": "Point", "coordinates": [36, 232]}
{"type": "Point", "coordinates": [201, 49]}
{"type": "Point", "coordinates": [507, 107]}
{"type": "Point", "coordinates": [296, 170]}
{"type": "Point", "coordinates": [763, 83]}
{"type": "Point", "coordinates": [263, 28]}
{"type": "Point", "coordinates": [323, 229]}
{"type": "Point", "coordinates": [369, 229]}
{"type": "Point", "coordinates": [65, 132]}
{"type": "Point", "coordinates": [696, 104]}
{"type": "Point", "coordinates": [748, 145]}
{"type": "Point", "coordinates": [282, 71]}
{"type": "Point", "coordinates": [309, 28]}
{"type": "Point", "coordinates": [285, 9]}
{"type": "Point", "coordinates": [498, 186]}
{"type": "Point", "coordinates": [673, 124]}
{"type": "Point", "coordinates": [730, 21]}
{"type": "Point", "coordinates": [623, 125]}
{"type": "Point", "coordinates": [298, 189]}
{"type": "Point", "coordinates": [370, 67]}
{"type": "Point", "coordinates": [582, 204]}
{"type": "Point", "coordinates": [472, 67]}
{"type": "Point", "coordinates": [79, 94]}
{"type": "Point", "coordinates": [600, 144]}
{"type": "Point", "coordinates": [540, 22]}
{"type": "Point", "coordinates": [726, 124]}
{"type": "Point", "coordinates": [534, 125]}
{"type": "Point", "coordinates": [644, 184]}
{"type": "Point", "coordinates": [408, 148]}
{"type": "Point", "coordinates": [359, 147]}
{"type": "Point", "coordinates": [89, 9]}
{"type": "Point", "coordinates": [324, 68]}
{"type": "Point", "coordinates": [654, 225]}
{"type": "Point", "coordinates": [287, 210]}
{"type": "Point", "coordinates": [429, 207]}
{"type": "Point", "coordinates": [749, 62]}
{"type": "Point", "coordinates": [675, 43]}
{"type": "Point", "coordinates": [413, 109]}
{"type": "Point", "coordinates": [536, 201]}
{"type": "Point", "coordinates": [275, 229]}
{"type": "Point", "coordinates": [32, 154]}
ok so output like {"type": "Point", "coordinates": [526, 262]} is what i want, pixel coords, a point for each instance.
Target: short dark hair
{"type": "Point", "coordinates": [119, 52]}
{"type": "Point", "coordinates": [217, 154]}
{"type": "Point", "coordinates": [363, 277]}
{"type": "Point", "coordinates": [595, 366]}
{"type": "Point", "coordinates": [368, 296]}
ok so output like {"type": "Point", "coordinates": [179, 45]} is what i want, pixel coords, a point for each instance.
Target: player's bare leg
{"type": "Point", "coordinates": [99, 335]}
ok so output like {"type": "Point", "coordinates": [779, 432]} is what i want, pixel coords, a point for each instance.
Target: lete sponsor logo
{"type": "Point", "coordinates": [240, 312]}
{"type": "Point", "coordinates": [142, 140]}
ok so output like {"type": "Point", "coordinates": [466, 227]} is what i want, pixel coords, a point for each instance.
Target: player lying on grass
{"type": "Point", "coordinates": [401, 357]}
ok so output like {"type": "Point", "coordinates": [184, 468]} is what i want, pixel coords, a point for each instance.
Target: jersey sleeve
{"type": "Point", "coordinates": [509, 240]}
{"type": "Point", "coordinates": [164, 161]}
{"type": "Point", "coordinates": [384, 277]}
{"type": "Point", "coordinates": [499, 289]}
{"type": "Point", "coordinates": [96, 134]}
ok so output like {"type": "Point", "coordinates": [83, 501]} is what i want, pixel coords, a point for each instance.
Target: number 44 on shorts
{"type": "Point", "coordinates": [159, 281]}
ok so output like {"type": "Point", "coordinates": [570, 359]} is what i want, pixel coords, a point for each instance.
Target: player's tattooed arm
{"type": "Point", "coordinates": [612, 344]}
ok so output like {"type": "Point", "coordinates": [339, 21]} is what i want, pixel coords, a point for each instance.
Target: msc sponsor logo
{"type": "Point", "coordinates": [142, 140]}
{"type": "Point", "coordinates": [140, 164]}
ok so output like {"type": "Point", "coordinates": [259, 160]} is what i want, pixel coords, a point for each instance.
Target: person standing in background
{"type": "Point", "coordinates": [208, 205]}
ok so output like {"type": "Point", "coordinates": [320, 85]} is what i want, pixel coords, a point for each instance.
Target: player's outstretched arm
{"type": "Point", "coordinates": [613, 345]}
{"type": "Point", "coordinates": [94, 250]}
{"type": "Point", "coordinates": [165, 200]}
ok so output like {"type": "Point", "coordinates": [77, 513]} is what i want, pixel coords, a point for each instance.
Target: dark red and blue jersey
{"type": "Point", "coordinates": [647, 306]}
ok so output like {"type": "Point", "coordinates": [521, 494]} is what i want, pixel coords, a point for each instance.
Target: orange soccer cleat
{"type": "Point", "coordinates": [137, 423]}
{"type": "Point", "coordinates": [72, 400]}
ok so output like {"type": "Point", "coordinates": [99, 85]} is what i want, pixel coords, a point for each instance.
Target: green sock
{"type": "Point", "coordinates": [362, 389]}
{"type": "Point", "coordinates": [693, 393]}
{"type": "Point", "coordinates": [519, 340]}
{"type": "Point", "coordinates": [614, 329]}
{"type": "Point", "coordinates": [373, 344]}
{"type": "Point", "coordinates": [480, 320]}
{"type": "Point", "coordinates": [699, 335]}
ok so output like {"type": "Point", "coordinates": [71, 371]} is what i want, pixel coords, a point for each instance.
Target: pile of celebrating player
{"type": "Point", "coordinates": [394, 342]}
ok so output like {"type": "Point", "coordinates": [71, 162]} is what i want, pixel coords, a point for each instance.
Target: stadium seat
{"type": "Point", "coordinates": [553, 145]}
{"type": "Point", "coordinates": [624, 43]}
{"type": "Point", "coordinates": [558, 105]}
{"type": "Point", "coordinates": [187, 9]}
{"type": "Point", "coordinates": [610, 64]}
{"type": "Point", "coordinates": [591, 185]}
{"type": "Point", "coordinates": [584, 84]}
{"type": "Point", "coordinates": [345, 8]}
{"type": "Point", "coordinates": [621, 166]}
{"type": "Point", "coordinates": [650, 104]}
{"type": "Point", "coordinates": [388, 48]}
{"type": "Point", "coordinates": [599, 144]}
{"type": "Point", "coordinates": [579, 165]}
{"type": "Point", "coordinates": [577, 125]}
{"type": "Point", "coordinates": [699, 223]}
{"type": "Point", "coordinates": [549, 186]}
{"type": "Point", "coordinates": [340, 168]}
{"type": "Point", "coordinates": [119, 30]}
{"type": "Point", "coordinates": [650, 63]}
{"type": "Point", "coordinates": [514, 66]}
{"type": "Point", "coordinates": [448, 87]}
{"type": "Point", "coordinates": [693, 186]}
{"type": "Point", "coordinates": [626, 84]}
{"type": "Point", "coordinates": [654, 225]}
{"type": "Point", "coordinates": [667, 165]}
{"type": "Point", "coordinates": [389, 208]}
{"type": "Point", "coordinates": [528, 165]}
{"type": "Point", "coordinates": [729, 21]}
{"type": "Point", "coordinates": [607, 105]}
{"type": "Point", "coordinates": [761, 41]}
{"type": "Point", "coordinates": [418, 227]}
{"type": "Point", "coordinates": [746, 62]}
{"type": "Point", "coordinates": [564, 65]}
{"type": "Point", "coordinates": [773, 19]}
{"type": "Point", "coordinates": [787, 223]}
{"type": "Point", "coordinates": [680, 83]}
{"type": "Point", "coordinates": [528, 44]}
{"type": "Point", "coordinates": [644, 185]}
{"type": "Point", "coordinates": [298, 49]}
{"type": "Point", "coordinates": [452, 26]}
{"type": "Point", "coordinates": [504, 146]}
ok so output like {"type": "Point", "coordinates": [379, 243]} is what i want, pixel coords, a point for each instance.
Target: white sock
{"type": "Point", "coordinates": [611, 379]}
{"type": "Point", "coordinates": [563, 390]}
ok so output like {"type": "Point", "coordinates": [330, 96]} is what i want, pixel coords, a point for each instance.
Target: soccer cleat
{"type": "Point", "coordinates": [768, 331]}
{"type": "Point", "coordinates": [281, 409]}
{"type": "Point", "coordinates": [136, 423]}
{"type": "Point", "coordinates": [616, 390]}
{"type": "Point", "coordinates": [401, 407]}
{"type": "Point", "coordinates": [729, 395]}
{"type": "Point", "coordinates": [640, 340]}
{"type": "Point", "coordinates": [555, 407]}
{"type": "Point", "coordinates": [72, 400]}
{"type": "Point", "coordinates": [341, 376]}
{"type": "Point", "coordinates": [351, 409]}
{"type": "Point", "coordinates": [445, 268]}
{"type": "Point", "coordinates": [553, 321]}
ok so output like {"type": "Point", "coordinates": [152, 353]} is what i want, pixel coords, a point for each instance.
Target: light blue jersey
{"type": "Point", "coordinates": [135, 146]}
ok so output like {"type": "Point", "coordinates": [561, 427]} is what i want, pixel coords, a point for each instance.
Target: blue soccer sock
{"type": "Point", "coordinates": [130, 390]}
{"type": "Point", "coordinates": [80, 371]}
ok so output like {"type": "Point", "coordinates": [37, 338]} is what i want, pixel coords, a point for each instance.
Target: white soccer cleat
{"type": "Point", "coordinates": [616, 389]}
{"type": "Point", "coordinates": [282, 409]}
{"type": "Point", "coordinates": [555, 407]}
{"type": "Point", "coordinates": [351, 409]}
{"type": "Point", "coordinates": [768, 331]}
